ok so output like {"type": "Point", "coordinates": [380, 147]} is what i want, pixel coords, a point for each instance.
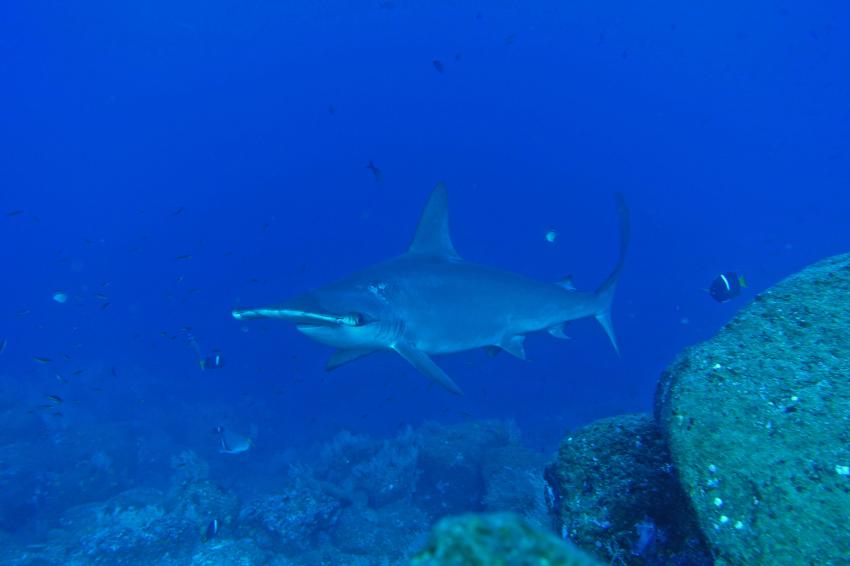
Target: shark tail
{"type": "Point", "coordinates": [605, 292]}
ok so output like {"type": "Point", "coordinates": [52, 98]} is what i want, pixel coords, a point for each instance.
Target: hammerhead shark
{"type": "Point", "coordinates": [429, 301]}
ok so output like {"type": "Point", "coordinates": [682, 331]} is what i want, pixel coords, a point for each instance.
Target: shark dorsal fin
{"type": "Point", "coordinates": [432, 236]}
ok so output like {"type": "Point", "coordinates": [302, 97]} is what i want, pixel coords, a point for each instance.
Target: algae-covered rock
{"type": "Point", "coordinates": [496, 539]}
{"type": "Point", "coordinates": [131, 528]}
{"type": "Point", "coordinates": [451, 462]}
{"type": "Point", "coordinates": [758, 424]}
{"type": "Point", "coordinates": [613, 493]}
{"type": "Point", "coordinates": [387, 533]}
{"type": "Point", "coordinates": [292, 520]}
{"type": "Point", "coordinates": [226, 552]}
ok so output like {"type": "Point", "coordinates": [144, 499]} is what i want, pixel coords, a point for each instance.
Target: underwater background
{"type": "Point", "coordinates": [163, 163]}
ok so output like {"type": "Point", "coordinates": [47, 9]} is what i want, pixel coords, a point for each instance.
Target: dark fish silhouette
{"type": "Point", "coordinates": [379, 177]}
{"type": "Point", "coordinates": [438, 65]}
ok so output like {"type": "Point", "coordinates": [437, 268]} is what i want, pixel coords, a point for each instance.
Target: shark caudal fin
{"type": "Point", "coordinates": [605, 292]}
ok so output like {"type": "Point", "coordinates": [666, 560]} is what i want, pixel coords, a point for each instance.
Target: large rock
{"type": "Point", "coordinates": [613, 493]}
{"type": "Point", "coordinates": [758, 424]}
{"type": "Point", "coordinates": [493, 539]}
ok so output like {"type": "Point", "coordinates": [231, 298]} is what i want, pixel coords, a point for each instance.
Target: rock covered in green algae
{"type": "Point", "coordinates": [758, 423]}
{"type": "Point", "coordinates": [496, 539]}
{"type": "Point", "coordinates": [614, 494]}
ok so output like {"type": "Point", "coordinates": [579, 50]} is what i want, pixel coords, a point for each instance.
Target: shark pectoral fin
{"type": "Point", "coordinates": [342, 357]}
{"type": "Point", "coordinates": [424, 364]}
{"type": "Point", "coordinates": [514, 346]}
{"type": "Point", "coordinates": [558, 331]}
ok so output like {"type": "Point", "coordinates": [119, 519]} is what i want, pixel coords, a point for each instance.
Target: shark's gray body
{"type": "Point", "coordinates": [430, 301]}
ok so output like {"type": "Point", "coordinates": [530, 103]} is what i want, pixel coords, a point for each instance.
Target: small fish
{"type": "Point", "coordinates": [66, 356]}
{"type": "Point", "coordinates": [211, 531]}
{"type": "Point", "coordinates": [60, 297]}
{"type": "Point", "coordinates": [331, 109]}
{"type": "Point", "coordinates": [510, 39]}
{"type": "Point", "coordinates": [551, 236]}
{"type": "Point", "coordinates": [726, 286]}
{"type": "Point", "coordinates": [2, 345]}
{"type": "Point", "coordinates": [23, 312]}
{"type": "Point", "coordinates": [193, 290]}
{"type": "Point", "coordinates": [61, 379]}
{"type": "Point", "coordinates": [101, 297]}
{"type": "Point", "coordinates": [458, 56]}
{"type": "Point", "coordinates": [178, 211]}
{"type": "Point", "coordinates": [14, 213]}
{"type": "Point", "coordinates": [183, 257]}
{"type": "Point", "coordinates": [231, 442]}
{"type": "Point", "coordinates": [438, 65]}
{"type": "Point", "coordinates": [114, 371]}
{"type": "Point", "coordinates": [55, 398]}
{"type": "Point", "coordinates": [77, 372]}
{"type": "Point", "coordinates": [104, 306]}
{"type": "Point", "coordinates": [212, 362]}
{"type": "Point", "coordinates": [42, 360]}
{"type": "Point", "coordinates": [379, 176]}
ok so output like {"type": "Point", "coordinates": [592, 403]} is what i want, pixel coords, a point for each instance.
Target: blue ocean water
{"type": "Point", "coordinates": [163, 163]}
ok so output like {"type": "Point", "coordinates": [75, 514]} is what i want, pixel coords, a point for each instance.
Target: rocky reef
{"type": "Point", "coordinates": [489, 539]}
{"type": "Point", "coordinates": [613, 492]}
{"type": "Point", "coordinates": [354, 500]}
{"type": "Point", "coordinates": [758, 424]}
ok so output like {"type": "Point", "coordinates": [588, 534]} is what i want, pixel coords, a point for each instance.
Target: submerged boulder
{"type": "Point", "coordinates": [758, 424]}
{"type": "Point", "coordinates": [489, 539]}
{"type": "Point", "coordinates": [613, 493]}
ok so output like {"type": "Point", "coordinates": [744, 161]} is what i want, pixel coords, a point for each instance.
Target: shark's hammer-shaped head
{"type": "Point", "coordinates": [340, 315]}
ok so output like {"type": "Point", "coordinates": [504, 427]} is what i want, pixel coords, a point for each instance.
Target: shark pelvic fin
{"type": "Point", "coordinates": [567, 283]}
{"type": "Point", "coordinates": [558, 331]}
{"type": "Point", "coordinates": [432, 236]}
{"type": "Point", "coordinates": [342, 357]}
{"type": "Point", "coordinates": [514, 346]}
{"type": "Point", "coordinates": [424, 364]}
